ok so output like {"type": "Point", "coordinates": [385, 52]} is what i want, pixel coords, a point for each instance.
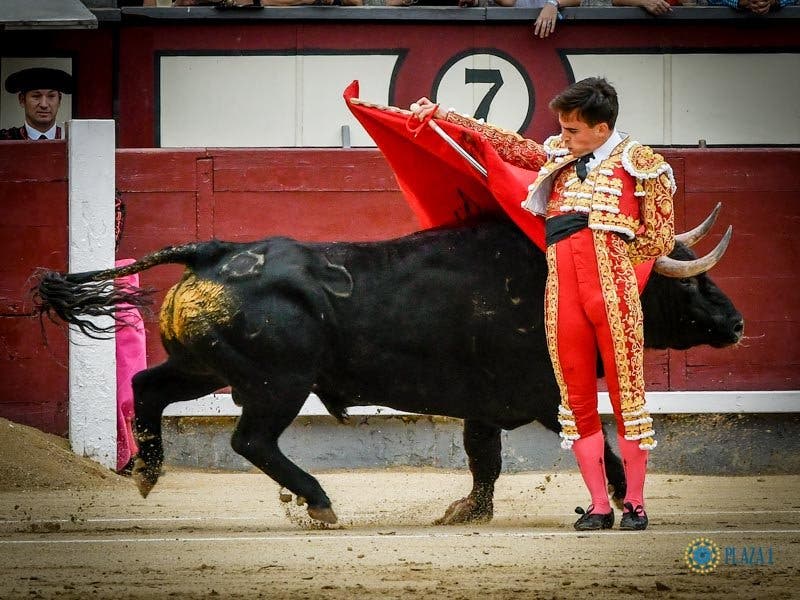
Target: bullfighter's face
{"type": "Point", "coordinates": [41, 107]}
{"type": "Point", "coordinates": [579, 137]}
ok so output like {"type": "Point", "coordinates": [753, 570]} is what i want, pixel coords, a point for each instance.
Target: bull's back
{"type": "Point", "coordinates": [446, 322]}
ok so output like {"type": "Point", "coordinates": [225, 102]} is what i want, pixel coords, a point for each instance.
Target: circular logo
{"type": "Point", "coordinates": [487, 84]}
{"type": "Point", "coordinates": [702, 556]}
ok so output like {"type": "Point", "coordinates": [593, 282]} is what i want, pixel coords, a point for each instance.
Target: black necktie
{"type": "Point", "coordinates": [580, 166]}
{"type": "Point", "coordinates": [42, 137]}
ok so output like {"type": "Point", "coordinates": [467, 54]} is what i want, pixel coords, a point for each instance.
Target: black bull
{"type": "Point", "coordinates": [446, 322]}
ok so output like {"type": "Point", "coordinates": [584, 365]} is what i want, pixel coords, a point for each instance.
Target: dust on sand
{"type": "Point", "coordinates": [202, 535]}
{"type": "Point", "coordinates": [33, 460]}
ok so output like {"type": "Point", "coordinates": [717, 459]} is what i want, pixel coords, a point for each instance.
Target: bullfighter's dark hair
{"type": "Point", "coordinates": [594, 99]}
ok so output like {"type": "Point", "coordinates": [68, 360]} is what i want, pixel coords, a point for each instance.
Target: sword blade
{"type": "Point", "coordinates": [455, 146]}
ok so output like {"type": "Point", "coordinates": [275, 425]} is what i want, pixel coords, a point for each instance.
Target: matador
{"type": "Point", "coordinates": [607, 200]}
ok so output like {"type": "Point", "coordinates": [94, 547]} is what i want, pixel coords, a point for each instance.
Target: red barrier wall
{"type": "Point", "coordinates": [33, 233]}
{"type": "Point", "coordinates": [175, 196]}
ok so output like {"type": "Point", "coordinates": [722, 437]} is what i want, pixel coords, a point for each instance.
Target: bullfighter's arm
{"type": "Point", "coordinates": [655, 186]}
{"type": "Point", "coordinates": [510, 145]}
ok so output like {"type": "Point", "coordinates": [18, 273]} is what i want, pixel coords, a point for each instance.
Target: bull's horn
{"type": "Point", "coordinates": [671, 267]}
{"type": "Point", "coordinates": [690, 238]}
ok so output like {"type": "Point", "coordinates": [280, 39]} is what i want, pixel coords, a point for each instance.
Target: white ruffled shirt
{"type": "Point", "coordinates": [604, 151]}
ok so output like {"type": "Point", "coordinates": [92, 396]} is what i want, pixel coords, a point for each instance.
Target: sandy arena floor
{"type": "Point", "coordinates": [201, 535]}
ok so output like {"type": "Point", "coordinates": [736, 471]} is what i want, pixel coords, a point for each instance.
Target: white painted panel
{"type": "Point", "coordinates": [11, 113]}
{"type": "Point", "coordinates": [736, 98]}
{"type": "Point", "coordinates": [657, 403]}
{"type": "Point", "coordinates": [725, 99]}
{"type": "Point", "coordinates": [92, 362]}
{"type": "Point", "coordinates": [639, 80]}
{"type": "Point", "coordinates": [266, 101]}
{"type": "Point", "coordinates": [323, 79]}
{"type": "Point", "coordinates": [228, 101]}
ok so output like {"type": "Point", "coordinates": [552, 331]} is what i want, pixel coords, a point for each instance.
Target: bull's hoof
{"type": "Point", "coordinates": [616, 497]}
{"type": "Point", "coordinates": [466, 510]}
{"type": "Point", "coordinates": [145, 477]}
{"type": "Point", "coordinates": [326, 515]}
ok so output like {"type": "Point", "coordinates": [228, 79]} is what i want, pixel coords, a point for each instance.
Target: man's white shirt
{"type": "Point", "coordinates": [35, 134]}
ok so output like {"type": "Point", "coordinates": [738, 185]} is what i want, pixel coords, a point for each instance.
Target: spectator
{"type": "Point", "coordinates": [546, 22]}
{"type": "Point", "coordinates": [518, 3]}
{"type": "Point", "coordinates": [39, 93]}
{"type": "Point", "coordinates": [757, 7]}
{"type": "Point", "coordinates": [258, 3]}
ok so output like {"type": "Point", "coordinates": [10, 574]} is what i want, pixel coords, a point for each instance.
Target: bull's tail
{"type": "Point", "coordinates": [76, 297]}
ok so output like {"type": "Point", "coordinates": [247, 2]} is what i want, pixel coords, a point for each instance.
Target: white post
{"type": "Point", "coordinates": [92, 363]}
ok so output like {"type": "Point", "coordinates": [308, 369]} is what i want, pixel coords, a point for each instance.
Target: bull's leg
{"type": "Point", "coordinates": [153, 390]}
{"type": "Point", "coordinates": [483, 447]}
{"type": "Point", "coordinates": [256, 439]}
{"type": "Point", "coordinates": [615, 475]}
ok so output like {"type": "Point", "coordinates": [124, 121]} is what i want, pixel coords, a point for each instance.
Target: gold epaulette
{"type": "Point", "coordinates": [554, 146]}
{"type": "Point", "coordinates": [643, 163]}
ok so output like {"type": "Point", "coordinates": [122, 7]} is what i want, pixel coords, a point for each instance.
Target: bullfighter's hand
{"type": "Point", "coordinates": [424, 107]}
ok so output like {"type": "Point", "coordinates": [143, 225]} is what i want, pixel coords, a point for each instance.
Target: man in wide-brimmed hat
{"type": "Point", "coordinates": [39, 92]}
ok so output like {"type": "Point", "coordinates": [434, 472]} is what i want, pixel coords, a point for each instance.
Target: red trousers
{"type": "Point", "coordinates": [592, 303]}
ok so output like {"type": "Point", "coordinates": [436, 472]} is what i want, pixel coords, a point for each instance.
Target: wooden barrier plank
{"type": "Point", "coordinates": [34, 203]}
{"type": "Point", "coordinates": [301, 170]}
{"type": "Point", "coordinates": [764, 233]}
{"type": "Point", "coordinates": [157, 219]}
{"type": "Point", "coordinates": [714, 379]}
{"type": "Point", "coordinates": [743, 170]}
{"type": "Point", "coordinates": [764, 299]}
{"type": "Point", "coordinates": [22, 161]}
{"type": "Point", "coordinates": [766, 343]}
{"type": "Point", "coordinates": [319, 216]}
{"type": "Point", "coordinates": [25, 359]}
{"type": "Point", "coordinates": [49, 416]}
{"type": "Point", "coordinates": [204, 208]}
{"type": "Point", "coordinates": [157, 170]}
{"type": "Point", "coordinates": [16, 271]}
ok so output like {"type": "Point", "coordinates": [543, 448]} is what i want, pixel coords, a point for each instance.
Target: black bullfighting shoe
{"type": "Point", "coordinates": [590, 521]}
{"type": "Point", "coordinates": [633, 518]}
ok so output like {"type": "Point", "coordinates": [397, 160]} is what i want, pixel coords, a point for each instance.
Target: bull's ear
{"type": "Point", "coordinates": [336, 279]}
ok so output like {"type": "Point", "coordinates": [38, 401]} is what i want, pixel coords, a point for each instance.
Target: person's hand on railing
{"type": "Point", "coordinates": [757, 7]}
{"type": "Point", "coordinates": [654, 7]}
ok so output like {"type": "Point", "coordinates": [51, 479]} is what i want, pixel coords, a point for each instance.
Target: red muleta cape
{"type": "Point", "coordinates": [440, 186]}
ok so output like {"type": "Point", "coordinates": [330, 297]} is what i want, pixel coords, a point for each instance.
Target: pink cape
{"type": "Point", "coordinates": [131, 358]}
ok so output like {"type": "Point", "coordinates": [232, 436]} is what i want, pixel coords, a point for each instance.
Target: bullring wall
{"type": "Point", "coordinates": [175, 196]}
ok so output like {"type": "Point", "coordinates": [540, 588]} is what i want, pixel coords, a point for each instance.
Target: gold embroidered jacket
{"type": "Point", "coordinates": [511, 146]}
{"type": "Point", "coordinates": [629, 193]}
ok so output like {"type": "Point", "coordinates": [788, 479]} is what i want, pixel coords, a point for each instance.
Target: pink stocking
{"type": "Point", "coordinates": [635, 461]}
{"type": "Point", "coordinates": [589, 453]}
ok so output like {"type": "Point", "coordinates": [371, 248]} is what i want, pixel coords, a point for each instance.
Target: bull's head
{"type": "Point", "coordinates": [682, 306]}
